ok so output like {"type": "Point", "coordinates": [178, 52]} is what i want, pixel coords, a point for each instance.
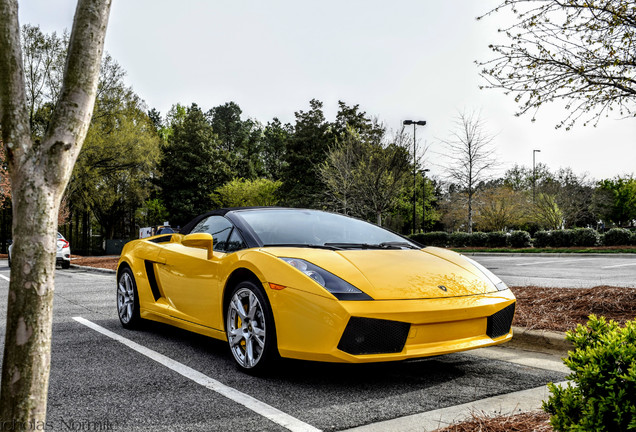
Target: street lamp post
{"type": "Point", "coordinates": [414, 123]}
{"type": "Point", "coordinates": [424, 171]}
{"type": "Point", "coordinates": [534, 175]}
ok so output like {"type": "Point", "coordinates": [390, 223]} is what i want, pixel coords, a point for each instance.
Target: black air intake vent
{"type": "Point", "coordinates": [162, 239]}
{"type": "Point", "coordinates": [499, 323]}
{"type": "Point", "coordinates": [152, 279]}
{"type": "Point", "coordinates": [373, 336]}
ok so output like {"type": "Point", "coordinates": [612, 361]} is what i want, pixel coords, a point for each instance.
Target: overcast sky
{"type": "Point", "coordinates": [404, 59]}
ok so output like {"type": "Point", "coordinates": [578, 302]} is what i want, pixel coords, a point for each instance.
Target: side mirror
{"type": "Point", "coordinates": [200, 241]}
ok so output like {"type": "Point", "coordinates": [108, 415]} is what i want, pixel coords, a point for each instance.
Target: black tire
{"type": "Point", "coordinates": [66, 264]}
{"type": "Point", "coordinates": [127, 299]}
{"type": "Point", "coordinates": [251, 332]}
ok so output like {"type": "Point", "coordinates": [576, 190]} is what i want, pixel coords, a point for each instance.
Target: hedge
{"type": "Point", "coordinates": [520, 239]}
{"type": "Point", "coordinates": [617, 237]}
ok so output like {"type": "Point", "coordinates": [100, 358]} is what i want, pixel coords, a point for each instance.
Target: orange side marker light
{"type": "Point", "coordinates": [276, 286]}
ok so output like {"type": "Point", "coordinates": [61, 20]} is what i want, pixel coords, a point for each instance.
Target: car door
{"type": "Point", "coordinates": [191, 283]}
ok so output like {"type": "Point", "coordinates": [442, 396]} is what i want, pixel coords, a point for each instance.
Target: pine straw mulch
{"type": "Point", "coordinates": [526, 422]}
{"type": "Point", "coordinates": [561, 309]}
{"type": "Point", "coordinates": [106, 262]}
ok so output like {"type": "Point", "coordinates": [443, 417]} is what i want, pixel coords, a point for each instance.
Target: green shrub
{"type": "Point", "coordinates": [497, 239]}
{"type": "Point", "coordinates": [585, 237]}
{"type": "Point", "coordinates": [562, 238]}
{"type": "Point", "coordinates": [617, 237]}
{"type": "Point", "coordinates": [478, 239]}
{"type": "Point", "coordinates": [459, 239]}
{"type": "Point", "coordinates": [632, 239]}
{"type": "Point", "coordinates": [435, 238]}
{"type": "Point", "coordinates": [602, 396]}
{"type": "Point", "coordinates": [520, 239]}
{"type": "Point", "coordinates": [542, 239]}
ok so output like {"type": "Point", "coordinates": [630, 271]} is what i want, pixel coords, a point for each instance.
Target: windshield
{"type": "Point", "coordinates": [318, 228]}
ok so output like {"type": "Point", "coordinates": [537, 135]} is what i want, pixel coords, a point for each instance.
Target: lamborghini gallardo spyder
{"type": "Point", "coordinates": [311, 285]}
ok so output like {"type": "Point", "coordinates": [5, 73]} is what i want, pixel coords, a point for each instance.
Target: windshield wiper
{"type": "Point", "coordinates": [398, 245]}
{"type": "Point", "coordinates": [383, 245]}
{"type": "Point", "coordinates": [327, 246]}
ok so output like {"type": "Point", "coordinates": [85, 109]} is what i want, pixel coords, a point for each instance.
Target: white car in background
{"type": "Point", "coordinates": [63, 256]}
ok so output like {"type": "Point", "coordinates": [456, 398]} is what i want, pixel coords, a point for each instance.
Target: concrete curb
{"type": "Point", "coordinates": [93, 269]}
{"type": "Point", "coordinates": [540, 340]}
{"type": "Point", "coordinates": [553, 255]}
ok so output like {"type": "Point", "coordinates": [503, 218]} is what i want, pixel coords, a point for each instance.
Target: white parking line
{"type": "Point", "coordinates": [549, 262]}
{"type": "Point", "coordinates": [619, 265]}
{"type": "Point", "coordinates": [267, 411]}
{"type": "Point", "coordinates": [5, 278]}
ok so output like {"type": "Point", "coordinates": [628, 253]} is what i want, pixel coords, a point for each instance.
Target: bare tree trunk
{"type": "Point", "coordinates": [39, 173]}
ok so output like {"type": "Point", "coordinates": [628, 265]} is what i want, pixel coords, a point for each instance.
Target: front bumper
{"type": "Point", "coordinates": [311, 327]}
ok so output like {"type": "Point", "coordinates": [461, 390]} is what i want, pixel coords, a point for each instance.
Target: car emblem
{"type": "Point", "coordinates": [442, 287]}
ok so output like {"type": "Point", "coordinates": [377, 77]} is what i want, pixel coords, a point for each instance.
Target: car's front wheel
{"type": "Point", "coordinates": [127, 300]}
{"type": "Point", "coordinates": [250, 328]}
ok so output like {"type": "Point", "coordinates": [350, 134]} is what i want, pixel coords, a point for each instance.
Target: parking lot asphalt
{"type": "Point", "coordinates": [95, 378]}
{"type": "Point", "coordinates": [563, 270]}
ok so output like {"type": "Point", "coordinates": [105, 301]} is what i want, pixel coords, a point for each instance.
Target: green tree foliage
{"type": "Point", "coordinates": [622, 192]}
{"type": "Point", "coordinates": [241, 192]}
{"type": "Point", "coordinates": [240, 139]}
{"type": "Point", "coordinates": [364, 178]}
{"type": "Point", "coordinates": [111, 174]}
{"type": "Point", "coordinates": [111, 177]}
{"type": "Point", "coordinates": [275, 140]}
{"type": "Point", "coordinates": [602, 396]}
{"type": "Point", "coordinates": [302, 185]}
{"type": "Point", "coordinates": [428, 193]}
{"type": "Point", "coordinates": [193, 165]}
{"type": "Point", "coordinates": [350, 118]}
{"type": "Point", "coordinates": [339, 172]}
{"type": "Point", "coordinates": [499, 208]}
{"type": "Point", "coordinates": [547, 213]}
{"type": "Point", "coordinates": [579, 201]}
{"type": "Point", "coordinates": [578, 51]}
{"type": "Point", "coordinates": [152, 213]}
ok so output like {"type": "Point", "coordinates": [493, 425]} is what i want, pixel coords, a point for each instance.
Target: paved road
{"type": "Point", "coordinates": [563, 271]}
{"type": "Point", "coordinates": [98, 379]}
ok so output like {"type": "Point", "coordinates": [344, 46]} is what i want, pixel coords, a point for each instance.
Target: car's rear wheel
{"type": "Point", "coordinates": [127, 299]}
{"type": "Point", "coordinates": [250, 328]}
{"type": "Point", "coordinates": [66, 264]}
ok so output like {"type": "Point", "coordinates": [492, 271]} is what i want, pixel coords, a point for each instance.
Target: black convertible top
{"type": "Point", "coordinates": [222, 212]}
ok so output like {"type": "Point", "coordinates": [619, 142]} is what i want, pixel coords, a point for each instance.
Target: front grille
{"type": "Point", "coordinates": [373, 336]}
{"type": "Point", "coordinates": [499, 323]}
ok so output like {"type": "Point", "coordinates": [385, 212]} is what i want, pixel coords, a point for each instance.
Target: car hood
{"type": "Point", "coordinates": [399, 274]}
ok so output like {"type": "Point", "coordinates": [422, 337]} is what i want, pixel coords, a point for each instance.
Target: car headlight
{"type": "Point", "coordinates": [340, 288]}
{"type": "Point", "coordinates": [498, 283]}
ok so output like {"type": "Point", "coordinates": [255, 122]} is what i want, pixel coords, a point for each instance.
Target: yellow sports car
{"type": "Point", "coordinates": [311, 285]}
